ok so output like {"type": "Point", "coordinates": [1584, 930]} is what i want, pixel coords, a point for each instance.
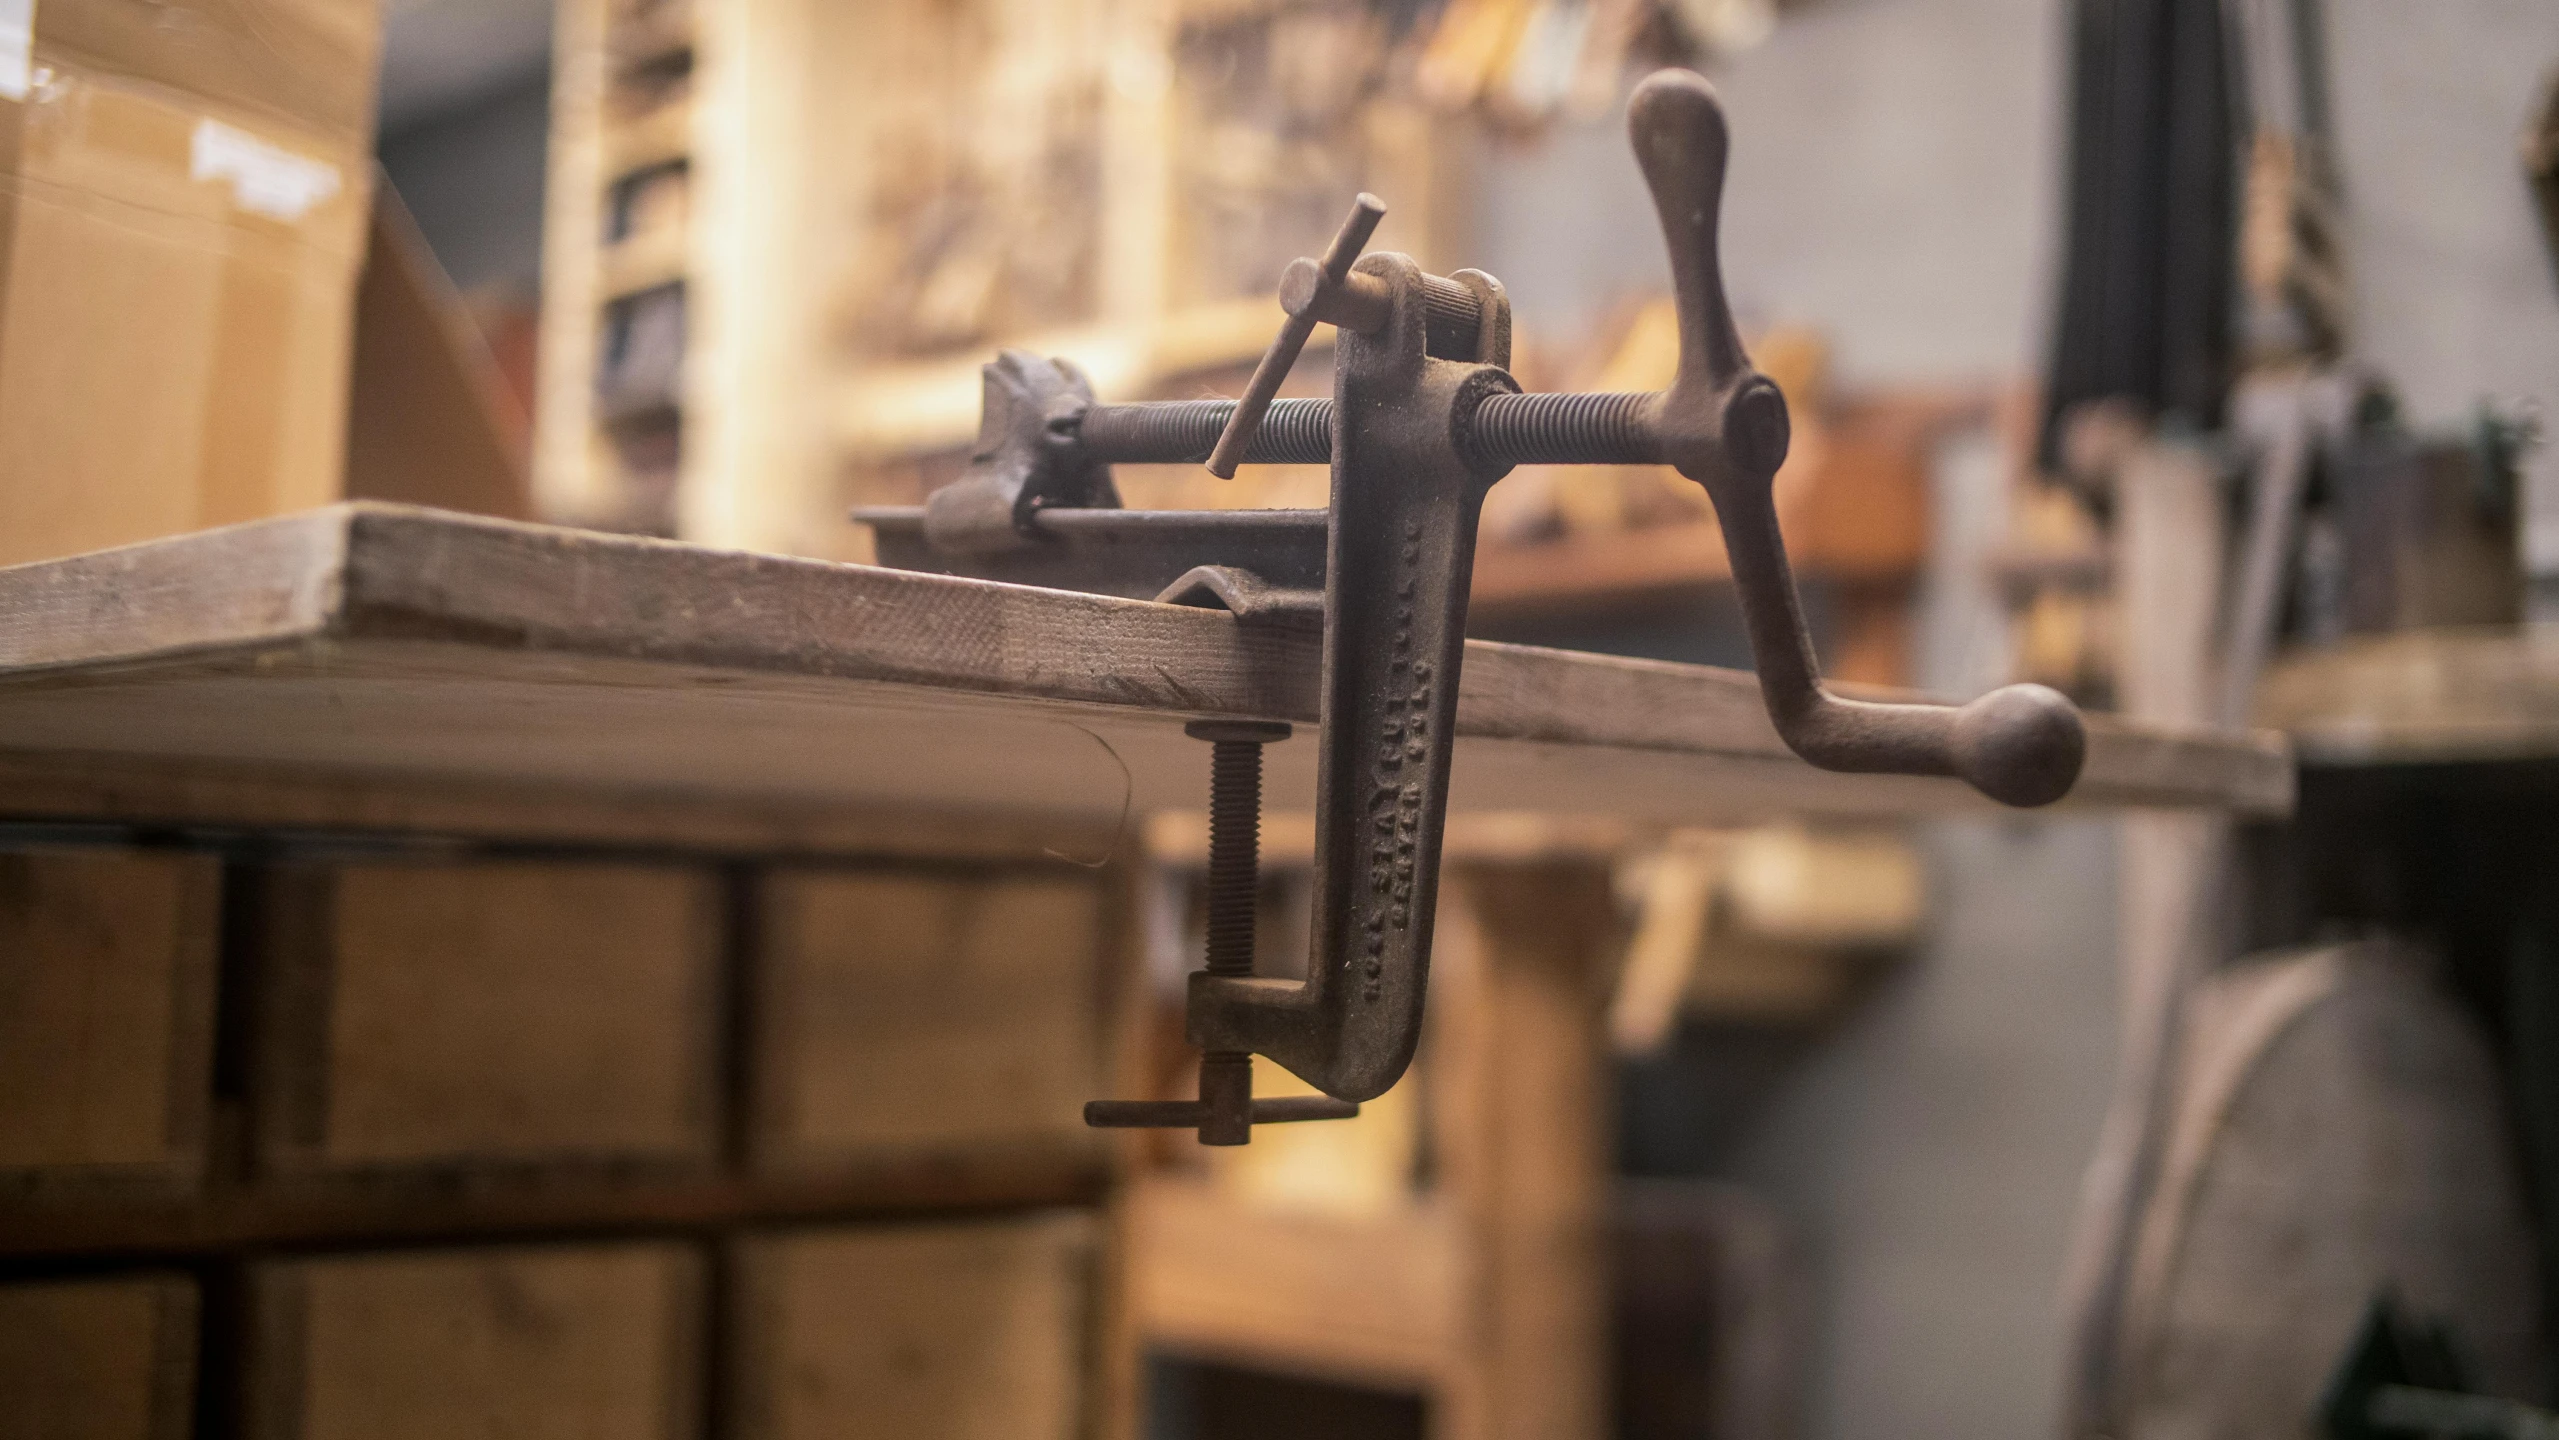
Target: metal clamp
{"type": "Point", "coordinates": [1424, 418]}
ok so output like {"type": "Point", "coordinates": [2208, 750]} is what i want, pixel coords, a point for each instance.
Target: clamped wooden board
{"type": "Point", "coordinates": [1423, 420]}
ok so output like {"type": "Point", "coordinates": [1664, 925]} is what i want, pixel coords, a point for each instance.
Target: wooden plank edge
{"type": "Point", "coordinates": [407, 574]}
{"type": "Point", "coordinates": [1114, 653]}
{"type": "Point", "coordinates": [261, 582]}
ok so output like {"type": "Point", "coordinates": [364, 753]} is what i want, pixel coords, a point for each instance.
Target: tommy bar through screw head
{"type": "Point", "coordinates": [1327, 276]}
{"type": "Point", "coordinates": [1226, 1112]}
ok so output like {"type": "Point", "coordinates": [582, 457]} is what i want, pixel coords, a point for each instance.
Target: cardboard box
{"type": "Point", "coordinates": [184, 191]}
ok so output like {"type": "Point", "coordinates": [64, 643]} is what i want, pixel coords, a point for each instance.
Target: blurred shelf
{"type": "Point", "coordinates": [2021, 574]}
{"type": "Point", "coordinates": [1581, 571]}
{"type": "Point", "coordinates": [418, 646]}
{"type": "Point", "coordinates": [640, 263]}
{"type": "Point", "coordinates": [662, 136]}
{"type": "Point", "coordinates": [2420, 697]}
{"type": "Point", "coordinates": [1852, 503]}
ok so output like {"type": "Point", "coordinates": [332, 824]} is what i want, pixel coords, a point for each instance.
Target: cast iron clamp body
{"type": "Point", "coordinates": [1422, 421]}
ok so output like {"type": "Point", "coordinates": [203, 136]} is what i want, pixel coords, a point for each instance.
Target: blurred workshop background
{"type": "Point", "coordinates": [1895, 234]}
{"type": "Point", "coordinates": [2191, 356]}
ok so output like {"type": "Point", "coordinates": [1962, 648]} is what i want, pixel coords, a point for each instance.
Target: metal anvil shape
{"type": "Point", "coordinates": [1422, 421]}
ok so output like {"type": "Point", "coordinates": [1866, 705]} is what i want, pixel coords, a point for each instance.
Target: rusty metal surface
{"type": "Point", "coordinates": [1423, 420]}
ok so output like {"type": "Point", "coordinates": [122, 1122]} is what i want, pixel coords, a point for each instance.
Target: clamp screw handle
{"type": "Point", "coordinates": [1332, 275]}
{"type": "Point", "coordinates": [1720, 415]}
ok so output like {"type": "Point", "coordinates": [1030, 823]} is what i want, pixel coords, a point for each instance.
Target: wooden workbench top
{"type": "Point", "coordinates": [371, 645]}
{"type": "Point", "coordinates": [2417, 697]}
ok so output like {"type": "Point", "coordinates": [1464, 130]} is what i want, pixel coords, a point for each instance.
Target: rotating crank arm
{"type": "Point", "coordinates": [1724, 425]}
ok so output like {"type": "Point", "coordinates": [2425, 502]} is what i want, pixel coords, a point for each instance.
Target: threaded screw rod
{"type": "Point", "coordinates": [1234, 854]}
{"type": "Point", "coordinates": [1234, 888]}
{"type": "Point", "coordinates": [1182, 432]}
{"type": "Point", "coordinates": [1542, 429]}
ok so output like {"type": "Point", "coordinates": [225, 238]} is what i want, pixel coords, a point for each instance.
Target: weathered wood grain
{"type": "Point", "coordinates": [596, 1342]}
{"type": "Point", "coordinates": [906, 1010]}
{"type": "Point", "coordinates": [378, 641]}
{"type": "Point", "coordinates": [110, 1359]}
{"type": "Point", "coordinates": [974, 1331]}
{"type": "Point", "coordinates": [490, 1014]}
{"type": "Point", "coordinates": [106, 1017]}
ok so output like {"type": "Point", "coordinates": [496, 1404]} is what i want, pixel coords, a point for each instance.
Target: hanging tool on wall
{"type": "Point", "coordinates": [1424, 418]}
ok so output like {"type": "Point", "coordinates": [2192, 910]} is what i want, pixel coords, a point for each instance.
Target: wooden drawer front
{"type": "Point", "coordinates": [490, 1014]}
{"type": "Point", "coordinates": [536, 1343]}
{"type": "Point", "coordinates": [106, 1015]}
{"type": "Point", "coordinates": [975, 1331]}
{"type": "Point", "coordinates": [98, 1359]}
{"type": "Point", "coordinates": [910, 1010]}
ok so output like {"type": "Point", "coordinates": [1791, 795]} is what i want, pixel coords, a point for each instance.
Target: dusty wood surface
{"type": "Point", "coordinates": [2420, 696]}
{"type": "Point", "coordinates": [414, 645]}
{"type": "Point", "coordinates": [903, 1011]}
{"type": "Point", "coordinates": [973, 1331]}
{"type": "Point", "coordinates": [423, 1015]}
{"type": "Point", "coordinates": [541, 1343]}
{"type": "Point", "coordinates": [98, 1359]}
{"type": "Point", "coordinates": [106, 1017]}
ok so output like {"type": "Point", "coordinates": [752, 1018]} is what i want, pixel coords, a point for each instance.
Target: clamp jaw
{"type": "Point", "coordinates": [1423, 420]}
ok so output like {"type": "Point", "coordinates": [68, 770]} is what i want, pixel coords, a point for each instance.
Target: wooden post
{"type": "Point", "coordinates": [1520, 1093]}
{"type": "Point", "coordinates": [573, 479]}
{"type": "Point", "coordinates": [2169, 562]}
